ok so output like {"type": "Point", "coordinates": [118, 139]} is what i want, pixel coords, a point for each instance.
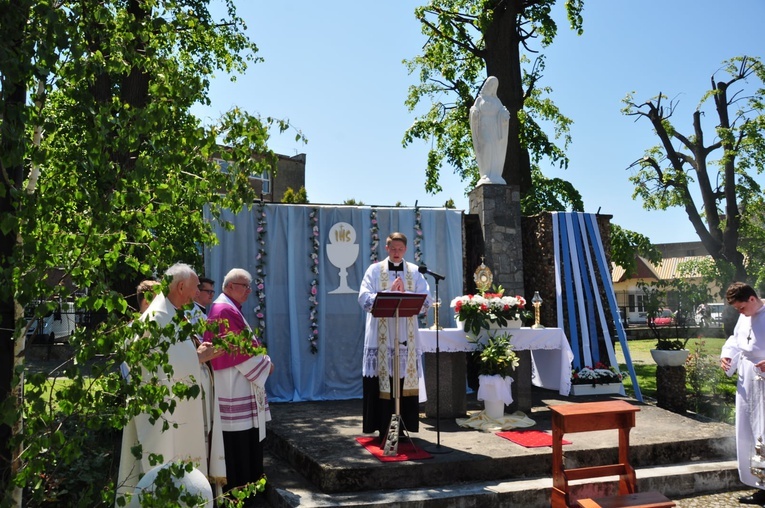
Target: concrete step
{"type": "Point", "coordinates": [314, 460]}
{"type": "Point", "coordinates": [674, 481]}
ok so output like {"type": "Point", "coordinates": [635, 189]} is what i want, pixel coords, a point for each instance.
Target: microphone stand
{"type": "Point", "coordinates": [438, 448]}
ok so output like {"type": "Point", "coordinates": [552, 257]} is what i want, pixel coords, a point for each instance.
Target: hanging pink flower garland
{"type": "Point", "coordinates": [374, 241]}
{"type": "Point", "coordinates": [313, 301]}
{"type": "Point", "coordinates": [417, 235]}
{"type": "Point", "coordinates": [260, 274]}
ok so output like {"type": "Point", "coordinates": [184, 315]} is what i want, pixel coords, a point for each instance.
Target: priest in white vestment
{"type": "Point", "coordinates": [744, 351]}
{"type": "Point", "coordinates": [392, 274]}
{"type": "Point", "coordinates": [184, 439]}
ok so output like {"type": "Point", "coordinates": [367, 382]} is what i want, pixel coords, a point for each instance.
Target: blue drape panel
{"type": "Point", "coordinates": [334, 373]}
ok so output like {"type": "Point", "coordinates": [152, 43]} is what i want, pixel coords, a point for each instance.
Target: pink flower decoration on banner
{"type": "Point", "coordinates": [260, 273]}
{"type": "Point", "coordinates": [313, 302]}
{"type": "Point", "coordinates": [374, 241]}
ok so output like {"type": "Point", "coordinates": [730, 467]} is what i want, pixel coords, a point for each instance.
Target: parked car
{"type": "Point", "coordinates": [665, 318]}
{"type": "Point", "coordinates": [641, 318]}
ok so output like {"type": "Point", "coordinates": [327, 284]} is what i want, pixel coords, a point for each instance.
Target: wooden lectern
{"type": "Point", "coordinates": [396, 305]}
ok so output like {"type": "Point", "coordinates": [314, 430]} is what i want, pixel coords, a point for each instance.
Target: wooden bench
{"type": "Point", "coordinates": [588, 417]}
{"type": "Point", "coordinates": [640, 500]}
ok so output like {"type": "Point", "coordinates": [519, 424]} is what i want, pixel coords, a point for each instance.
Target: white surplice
{"type": "Point", "coordinates": [745, 348]}
{"type": "Point", "coordinates": [187, 441]}
{"type": "Point", "coordinates": [378, 279]}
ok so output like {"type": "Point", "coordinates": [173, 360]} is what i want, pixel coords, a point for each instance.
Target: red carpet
{"type": "Point", "coordinates": [406, 450]}
{"type": "Point", "coordinates": [529, 438]}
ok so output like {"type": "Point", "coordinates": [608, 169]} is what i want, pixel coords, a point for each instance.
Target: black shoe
{"type": "Point", "coordinates": [757, 497]}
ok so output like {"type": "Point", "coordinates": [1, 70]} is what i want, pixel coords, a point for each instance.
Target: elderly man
{"type": "Point", "coordinates": [240, 383]}
{"type": "Point", "coordinates": [184, 439]}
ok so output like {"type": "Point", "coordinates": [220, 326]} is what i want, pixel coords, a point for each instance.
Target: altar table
{"type": "Point", "coordinates": [546, 350]}
{"type": "Point", "coordinates": [551, 353]}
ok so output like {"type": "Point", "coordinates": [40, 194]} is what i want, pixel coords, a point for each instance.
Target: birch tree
{"type": "Point", "coordinates": [105, 174]}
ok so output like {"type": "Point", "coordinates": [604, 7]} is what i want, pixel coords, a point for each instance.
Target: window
{"type": "Point", "coordinates": [264, 177]}
{"type": "Point", "coordinates": [636, 303]}
{"type": "Point", "coordinates": [223, 164]}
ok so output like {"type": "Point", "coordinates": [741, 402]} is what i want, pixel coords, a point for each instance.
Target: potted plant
{"type": "Point", "coordinates": [496, 361]}
{"type": "Point", "coordinates": [672, 337]}
{"type": "Point", "coordinates": [596, 380]}
{"type": "Point", "coordinates": [484, 310]}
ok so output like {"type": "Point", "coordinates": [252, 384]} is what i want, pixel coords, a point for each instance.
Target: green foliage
{"type": "Point", "coordinates": [353, 202]}
{"type": "Point", "coordinates": [450, 204]}
{"type": "Point", "coordinates": [711, 394]}
{"type": "Point", "coordinates": [299, 197]}
{"type": "Point", "coordinates": [106, 176]}
{"type": "Point", "coordinates": [235, 498]}
{"type": "Point", "coordinates": [550, 195]}
{"type": "Point", "coordinates": [684, 297]}
{"type": "Point", "coordinates": [495, 356]}
{"type": "Point", "coordinates": [468, 40]}
{"type": "Point", "coordinates": [728, 218]}
{"type": "Point", "coordinates": [626, 244]}
{"type": "Point", "coordinates": [701, 372]}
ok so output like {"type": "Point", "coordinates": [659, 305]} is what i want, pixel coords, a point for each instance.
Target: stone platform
{"type": "Point", "coordinates": [314, 460]}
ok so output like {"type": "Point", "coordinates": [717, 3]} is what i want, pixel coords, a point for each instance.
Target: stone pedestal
{"type": "Point", "coordinates": [498, 208]}
{"type": "Point", "coordinates": [670, 389]}
{"type": "Point", "coordinates": [452, 400]}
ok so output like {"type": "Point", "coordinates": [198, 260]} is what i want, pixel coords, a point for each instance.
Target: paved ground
{"type": "Point", "coordinates": [721, 500]}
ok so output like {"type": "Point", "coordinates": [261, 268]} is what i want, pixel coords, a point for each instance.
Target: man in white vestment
{"type": "Point", "coordinates": [744, 351]}
{"type": "Point", "coordinates": [184, 439]}
{"type": "Point", "coordinates": [392, 274]}
{"type": "Point", "coordinates": [240, 384]}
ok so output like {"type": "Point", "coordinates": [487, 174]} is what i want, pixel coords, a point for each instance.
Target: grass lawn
{"type": "Point", "coordinates": [711, 393]}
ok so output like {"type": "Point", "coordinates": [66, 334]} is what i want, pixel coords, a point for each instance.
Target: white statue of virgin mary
{"type": "Point", "coordinates": [489, 121]}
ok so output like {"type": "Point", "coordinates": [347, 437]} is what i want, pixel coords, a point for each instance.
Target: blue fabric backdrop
{"type": "Point", "coordinates": [334, 372]}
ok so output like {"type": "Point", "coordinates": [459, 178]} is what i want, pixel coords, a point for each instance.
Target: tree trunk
{"type": "Point", "coordinates": [12, 149]}
{"type": "Point", "coordinates": [503, 61]}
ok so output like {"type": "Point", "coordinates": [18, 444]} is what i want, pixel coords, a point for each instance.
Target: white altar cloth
{"type": "Point", "coordinates": [551, 354]}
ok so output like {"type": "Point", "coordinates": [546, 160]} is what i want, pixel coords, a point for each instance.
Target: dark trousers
{"type": "Point", "coordinates": [244, 457]}
{"type": "Point", "coordinates": [377, 411]}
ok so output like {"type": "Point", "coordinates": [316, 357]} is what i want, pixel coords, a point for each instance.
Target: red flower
{"type": "Point", "coordinates": [458, 306]}
{"type": "Point", "coordinates": [484, 307]}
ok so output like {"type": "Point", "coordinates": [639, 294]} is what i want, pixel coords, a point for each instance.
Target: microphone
{"type": "Point", "coordinates": [424, 269]}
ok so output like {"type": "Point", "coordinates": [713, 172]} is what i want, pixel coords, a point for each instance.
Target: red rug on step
{"type": "Point", "coordinates": [529, 438]}
{"type": "Point", "coordinates": [406, 451]}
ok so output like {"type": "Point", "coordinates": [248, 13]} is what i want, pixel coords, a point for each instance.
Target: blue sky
{"type": "Point", "coordinates": [334, 69]}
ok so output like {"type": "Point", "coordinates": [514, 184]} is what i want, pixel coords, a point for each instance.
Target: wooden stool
{"type": "Point", "coordinates": [587, 417]}
{"type": "Point", "coordinates": [641, 500]}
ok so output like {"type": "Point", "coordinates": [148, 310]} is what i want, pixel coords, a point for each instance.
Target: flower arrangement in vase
{"type": "Point", "coordinates": [496, 360]}
{"type": "Point", "coordinates": [495, 356]}
{"type": "Point", "coordinates": [478, 312]}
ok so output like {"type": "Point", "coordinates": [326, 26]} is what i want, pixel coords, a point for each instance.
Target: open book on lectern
{"type": "Point", "coordinates": [407, 304]}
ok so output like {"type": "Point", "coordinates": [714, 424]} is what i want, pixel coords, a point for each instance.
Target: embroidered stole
{"type": "Point", "coordinates": [411, 383]}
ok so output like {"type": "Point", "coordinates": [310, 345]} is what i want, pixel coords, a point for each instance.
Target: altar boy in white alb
{"type": "Point", "coordinates": [392, 274]}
